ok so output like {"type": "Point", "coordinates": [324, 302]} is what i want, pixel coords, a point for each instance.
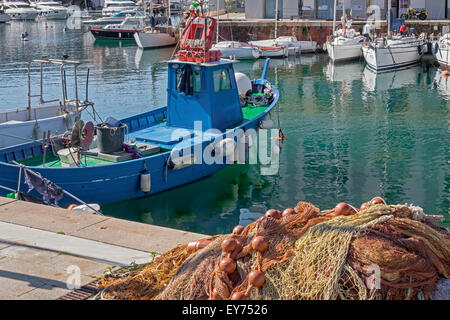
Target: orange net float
{"type": "Point", "coordinates": [287, 212]}
{"type": "Point", "coordinates": [229, 245]}
{"type": "Point", "coordinates": [256, 278]}
{"type": "Point", "coordinates": [238, 230]}
{"type": "Point", "coordinates": [238, 296]}
{"type": "Point", "coordinates": [377, 200]}
{"type": "Point", "coordinates": [273, 213]}
{"type": "Point", "coordinates": [227, 265]}
{"type": "Point", "coordinates": [344, 209]}
{"type": "Point", "coordinates": [260, 244]}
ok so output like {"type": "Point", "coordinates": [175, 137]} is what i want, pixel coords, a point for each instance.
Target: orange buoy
{"type": "Point", "coordinates": [364, 206]}
{"type": "Point", "coordinates": [201, 244]}
{"type": "Point", "coordinates": [377, 200]}
{"type": "Point", "coordinates": [344, 209]}
{"type": "Point", "coordinates": [71, 206]}
{"type": "Point", "coordinates": [238, 296]}
{"type": "Point", "coordinates": [229, 245]}
{"type": "Point", "coordinates": [256, 278]}
{"type": "Point", "coordinates": [227, 265]}
{"type": "Point", "coordinates": [288, 212]}
{"type": "Point", "coordinates": [276, 214]}
{"type": "Point", "coordinates": [260, 244]}
{"type": "Point", "coordinates": [446, 73]}
{"type": "Point", "coordinates": [191, 247]}
{"type": "Point", "coordinates": [238, 230]}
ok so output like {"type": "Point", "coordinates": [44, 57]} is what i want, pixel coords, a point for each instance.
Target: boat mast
{"type": "Point", "coordinates": [168, 5]}
{"type": "Point", "coordinates": [217, 14]}
{"type": "Point", "coordinates": [389, 17]}
{"type": "Point", "coordinates": [334, 18]}
{"type": "Point", "coordinates": [276, 19]}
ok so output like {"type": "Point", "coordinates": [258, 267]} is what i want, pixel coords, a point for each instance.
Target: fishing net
{"type": "Point", "coordinates": [382, 252]}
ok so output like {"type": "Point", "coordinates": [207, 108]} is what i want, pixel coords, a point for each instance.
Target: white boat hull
{"type": "Point", "coordinates": [22, 15]}
{"type": "Point", "coordinates": [146, 40]}
{"type": "Point", "coordinates": [235, 50]}
{"type": "Point", "coordinates": [4, 18]}
{"type": "Point", "coordinates": [53, 15]}
{"type": "Point", "coordinates": [15, 128]}
{"type": "Point", "coordinates": [441, 52]}
{"type": "Point", "coordinates": [384, 58]}
{"type": "Point", "coordinates": [340, 53]}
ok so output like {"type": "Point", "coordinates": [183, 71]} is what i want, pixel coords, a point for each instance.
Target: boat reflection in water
{"type": "Point", "coordinates": [146, 58]}
{"type": "Point", "coordinates": [442, 84]}
{"type": "Point", "coordinates": [395, 79]}
{"type": "Point", "coordinates": [343, 72]}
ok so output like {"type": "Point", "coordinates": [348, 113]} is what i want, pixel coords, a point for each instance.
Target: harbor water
{"type": "Point", "coordinates": [350, 134]}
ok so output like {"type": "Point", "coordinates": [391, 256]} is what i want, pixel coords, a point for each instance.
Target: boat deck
{"type": "Point", "coordinates": [160, 134]}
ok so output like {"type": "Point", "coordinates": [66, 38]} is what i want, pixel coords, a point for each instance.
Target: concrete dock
{"type": "Point", "coordinates": [44, 251]}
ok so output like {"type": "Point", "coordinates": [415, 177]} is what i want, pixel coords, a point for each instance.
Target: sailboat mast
{"type": "Point", "coordinates": [168, 6]}
{"type": "Point", "coordinates": [276, 19]}
{"type": "Point", "coordinates": [334, 18]}
{"type": "Point", "coordinates": [389, 17]}
{"type": "Point", "coordinates": [217, 14]}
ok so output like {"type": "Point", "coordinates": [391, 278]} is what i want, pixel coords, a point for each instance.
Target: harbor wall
{"type": "Point", "coordinates": [316, 30]}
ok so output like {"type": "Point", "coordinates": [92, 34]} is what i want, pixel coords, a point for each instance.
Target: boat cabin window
{"type": "Point", "coordinates": [198, 33]}
{"type": "Point", "coordinates": [222, 80]}
{"type": "Point", "coordinates": [188, 80]}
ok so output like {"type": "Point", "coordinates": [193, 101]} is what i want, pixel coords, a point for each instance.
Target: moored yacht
{"type": "Point", "coordinates": [115, 6]}
{"type": "Point", "coordinates": [19, 10]}
{"type": "Point", "coordinates": [345, 44]}
{"type": "Point", "coordinates": [395, 52]}
{"type": "Point", "coordinates": [441, 51]}
{"type": "Point", "coordinates": [50, 10]}
{"type": "Point", "coordinates": [3, 16]}
{"type": "Point", "coordinates": [117, 18]}
{"type": "Point", "coordinates": [119, 31]}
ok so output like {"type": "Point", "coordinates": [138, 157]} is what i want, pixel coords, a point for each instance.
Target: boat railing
{"type": "Point", "coordinates": [67, 104]}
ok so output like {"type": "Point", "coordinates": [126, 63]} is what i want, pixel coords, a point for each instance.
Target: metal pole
{"type": "Point", "coordinates": [62, 85]}
{"type": "Point", "coordinates": [76, 87]}
{"type": "Point", "coordinates": [389, 17]}
{"type": "Point", "coordinates": [334, 18]}
{"type": "Point", "coordinates": [42, 84]}
{"type": "Point", "coordinates": [29, 91]}
{"type": "Point", "coordinates": [276, 19]}
{"type": "Point", "coordinates": [217, 14]}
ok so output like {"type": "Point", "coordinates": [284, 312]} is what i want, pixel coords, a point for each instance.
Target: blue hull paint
{"type": "Point", "coordinates": [120, 181]}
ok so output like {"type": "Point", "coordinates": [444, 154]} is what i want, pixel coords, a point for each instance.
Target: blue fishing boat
{"type": "Point", "coordinates": [208, 116]}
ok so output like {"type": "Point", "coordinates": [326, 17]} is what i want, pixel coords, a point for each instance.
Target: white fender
{"type": "Point", "coordinates": [266, 124]}
{"type": "Point", "coordinates": [145, 182]}
{"type": "Point", "coordinates": [225, 147]}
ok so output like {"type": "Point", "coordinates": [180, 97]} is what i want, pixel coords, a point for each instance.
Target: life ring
{"type": "Point", "coordinates": [71, 206]}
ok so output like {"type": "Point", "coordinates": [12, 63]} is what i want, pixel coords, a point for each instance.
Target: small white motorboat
{"type": "Point", "coordinates": [237, 50]}
{"type": "Point", "coordinates": [441, 51]}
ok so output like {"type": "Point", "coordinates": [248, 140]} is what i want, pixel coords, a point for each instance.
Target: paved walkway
{"type": "Point", "coordinates": [42, 249]}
